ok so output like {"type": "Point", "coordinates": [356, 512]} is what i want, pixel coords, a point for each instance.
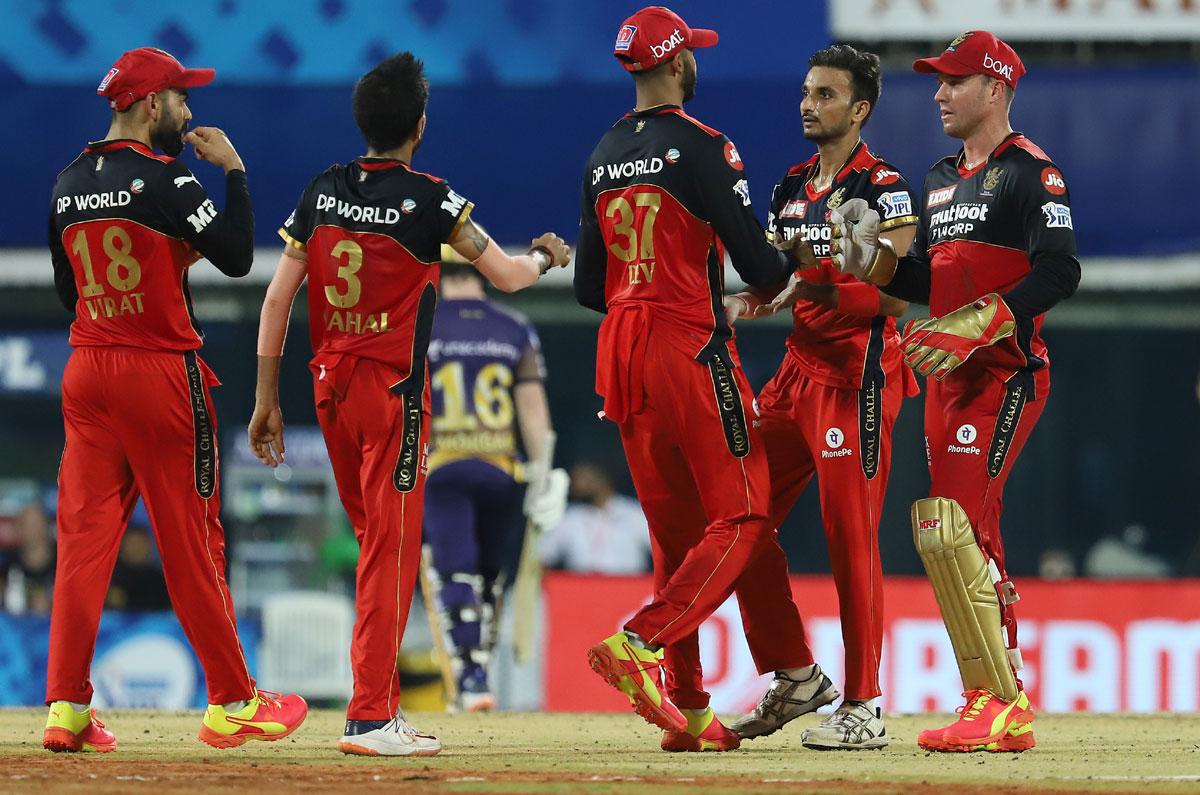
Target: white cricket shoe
{"type": "Point", "coordinates": [785, 700]}
{"type": "Point", "coordinates": [852, 726]}
{"type": "Point", "coordinates": [393, 737]}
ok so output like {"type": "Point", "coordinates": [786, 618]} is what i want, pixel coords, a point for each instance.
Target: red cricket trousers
{"type": "Point", "coordinates": [700, 471]}
{"type": "Point", "coordinates": [377, 434]}
{"type": "Point", "coordinates": [975, 428]}
{"type": "Point", "coordinates": [140, 422]}
{"type": "Point", "coordinates": [844, 437]}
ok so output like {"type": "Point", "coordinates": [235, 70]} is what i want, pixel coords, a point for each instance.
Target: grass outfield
{"type": "Point", "coordinates": [601, 753]}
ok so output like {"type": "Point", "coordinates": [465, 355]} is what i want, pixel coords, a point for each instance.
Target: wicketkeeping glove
{"type": "Point", "coordinates": [545, 507]}
{"type": "Point", "coordinates": [936, 345]}
{"type": "Point", "coordinates": [855, 238]}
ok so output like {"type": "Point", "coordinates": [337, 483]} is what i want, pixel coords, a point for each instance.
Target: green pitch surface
{"type": "Point", "coordinates": [593, 753]}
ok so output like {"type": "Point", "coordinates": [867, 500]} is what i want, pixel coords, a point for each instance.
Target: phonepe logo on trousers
{"type": "Point", "coordinates": [834, 439]}
{"type": "Point", "coordinates": [965, 435]}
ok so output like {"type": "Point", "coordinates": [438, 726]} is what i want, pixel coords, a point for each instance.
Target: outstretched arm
{"type": "Point", "coordinates": [504, 272]}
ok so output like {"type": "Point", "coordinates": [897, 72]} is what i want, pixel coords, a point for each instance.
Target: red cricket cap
{"type": "Point", "coordinates": [147, 70]}
{"type": "Point", "coordinates": [976, 52]}
{"type": "Point", "coordinates": [655, 34]}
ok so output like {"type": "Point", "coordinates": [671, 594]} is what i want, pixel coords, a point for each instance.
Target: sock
{"type": "Point", "coordinates": [801, 674]}
{"type": "Point", "coordinates": [235, 706]}
{"type": "Point", "coordinates": [695, 713]}
{"type": "Point", "coordinates": [79, 707]}
{"type": "Point", "coordinates": [869, 703]}
{"type": "Point", "coordinates": [637, 640]}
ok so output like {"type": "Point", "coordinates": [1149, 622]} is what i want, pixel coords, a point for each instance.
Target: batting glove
{"type": "Point", "coordinates": [545, 507]}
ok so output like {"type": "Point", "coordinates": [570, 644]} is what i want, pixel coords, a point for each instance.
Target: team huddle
{"type": "Point", "coordinates": [987, 245]}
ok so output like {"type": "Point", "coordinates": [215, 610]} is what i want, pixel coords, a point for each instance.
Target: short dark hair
{"type": "Point", "coordinates": [389, 101]}
{"type": "Point", "coordinates": [865, 80]}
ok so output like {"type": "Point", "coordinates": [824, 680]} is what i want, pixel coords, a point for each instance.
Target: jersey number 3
{"type": "Point", "coordinates": [353, 254]}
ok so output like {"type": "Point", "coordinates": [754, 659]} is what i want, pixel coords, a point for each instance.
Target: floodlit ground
{"type": "Point", "coordinates": [601, 753]}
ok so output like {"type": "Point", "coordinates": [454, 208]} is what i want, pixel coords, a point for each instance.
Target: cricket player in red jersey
{"type": "Point", "coordinates": [125, 226]}
{"type": "Point", "coordinates": [995, 250]}
{"type": "Point", "coordinates": [664, 197]}
{"type": "Point", "coordinates": [367, 236]}
{"type": "Point", "coordinates": [830, 408]}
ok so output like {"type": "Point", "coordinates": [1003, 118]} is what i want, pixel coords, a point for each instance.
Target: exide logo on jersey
{"type": "Point", "coordinates": [940, 196]}
{"type": "Point", "coordinates": [796, 208]}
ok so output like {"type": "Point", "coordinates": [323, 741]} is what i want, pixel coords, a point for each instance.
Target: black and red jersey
{"type": "Point", "coordinates": [125, 226]}
{"type": "Point", "coordinates": [373, 231]}
{"type": "Point", "coordinates": [663, 197]}
{"type": "Point", "coordinates": [1002, 227]}
{"type": "Point", "coordinates": [831, 347]}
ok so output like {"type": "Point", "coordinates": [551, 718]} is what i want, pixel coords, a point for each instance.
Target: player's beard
{"type": "Point", "coordinates": [689, 80]}
{"type": "Point", "coordinates": [827, 132]}
{"type": "Point", "coordinates": [167, 135]}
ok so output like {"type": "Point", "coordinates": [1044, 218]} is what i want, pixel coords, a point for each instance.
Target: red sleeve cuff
{"type": "Point", "coordinates": [858, 298]}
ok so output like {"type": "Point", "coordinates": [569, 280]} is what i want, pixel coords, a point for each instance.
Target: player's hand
{"type": "Point", "coordinates": [544, 508]}
{"type": "Point", "coordinates": [855, 239]}
{"type": "Point", "coordinates": [735, 307]}
{"type": "Point", "coordinates": [266, 434]}
{"type": "Point", "coordinates": [555, 246]}
{"type": "Point", "coordinates": [936, 345]}
{"type": "Point", "coordinates": [796, 290]}
{"type": "Point", "coordinates": [214, 145]}
{"type": "Point", "coordinates": [799, 252]}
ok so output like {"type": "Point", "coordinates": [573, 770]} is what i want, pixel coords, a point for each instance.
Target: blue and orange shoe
{"type": "Point", "coordinates": [626, 664]}
{"type": "Point", "coordinates": [704, 733]}
{"type": "Point", "coordinates": [267, 716]}
{"type": "Point", "coordinates": [986, 723]}
{"type": "Point", "coordinates": [69, 730]}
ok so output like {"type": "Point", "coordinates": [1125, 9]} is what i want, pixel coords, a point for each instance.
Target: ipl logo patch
{"type": "Point", "coordinates": [1058, 216]}
{"type": "Point", "coordinates": [742, 189]}
{"type": "Point", "coordinates": [624, 38]}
